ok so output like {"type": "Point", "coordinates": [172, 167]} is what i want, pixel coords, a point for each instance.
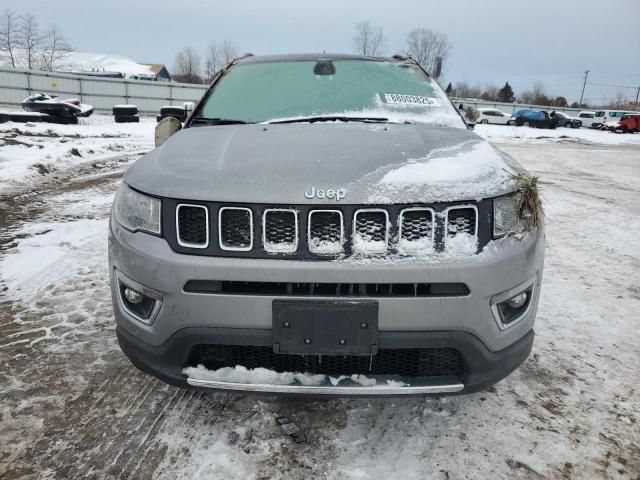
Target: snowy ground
{"type": "Point", "coordinates": [509, 134]}
{"type": "Point", "coordinates": [71, 405]}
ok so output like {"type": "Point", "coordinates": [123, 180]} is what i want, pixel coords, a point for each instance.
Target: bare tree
{"type": "Point", "coordinates": [464, 90]}
{"type": "Point", "coordinates": [212, 61]}
{"type": "Point", "coordinates": [29, 40]}
{"type": "Point", "coordinates": [55, 49]}
{"type": "Point", "coordinates": [187, 66]}
{"type": "Point", "coordinates": [369, 39]}
{"type": "Point", "coordinates": [228, 52]}
{"type": "Point", "coordinates": [491, 93]}
{"type": "Point", "coordinates": [427, 46]}
{"type": "Point", "coordinates": [9, 37]}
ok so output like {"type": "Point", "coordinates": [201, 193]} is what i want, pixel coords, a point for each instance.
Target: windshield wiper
{"type": "Point", "coordinates": [333, 118]}
{"type": "Point", "coordinates": [216, 121]}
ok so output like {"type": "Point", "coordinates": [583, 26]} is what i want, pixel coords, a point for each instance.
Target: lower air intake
{"type": "Point", "coordinates": [407, 362]}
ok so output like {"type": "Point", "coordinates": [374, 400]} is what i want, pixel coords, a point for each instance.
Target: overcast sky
{"type": "Point", "coordinates": [492, 41]}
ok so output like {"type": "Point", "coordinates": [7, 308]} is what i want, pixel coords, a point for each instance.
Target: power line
{"type": "Point", "coordinates": [611, 85]}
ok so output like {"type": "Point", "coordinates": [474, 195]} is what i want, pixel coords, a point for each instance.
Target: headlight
{"type": "Point", "coordinates": [137, 212]}
{"type": "Point", "coordinates": [505, 217]}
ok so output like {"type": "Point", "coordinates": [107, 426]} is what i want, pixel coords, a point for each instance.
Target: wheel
{"type": "Point", "coordinates": [484, 121]}
{"type": "Point", "coordinates": [127, 119]}
{"type": "Point", "coordinates": [173, 111]}
{"type": "Point", "coordinates": [123, 110]}
{"type": "Point", "coordinates": [526, 124]}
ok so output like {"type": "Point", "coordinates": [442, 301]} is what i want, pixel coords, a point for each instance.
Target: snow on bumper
{"type": "Point", "coordinates": [267, 381]}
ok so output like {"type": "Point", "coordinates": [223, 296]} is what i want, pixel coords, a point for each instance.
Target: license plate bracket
{"type": "Point", "coordinates": [325, 327]}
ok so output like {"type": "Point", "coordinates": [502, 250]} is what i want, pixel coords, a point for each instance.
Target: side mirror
{"type": "Point", "coordinates": [165, 128]}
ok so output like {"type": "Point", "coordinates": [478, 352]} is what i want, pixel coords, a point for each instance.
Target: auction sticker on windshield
{"type": "Point", "coordinates": [398, 98]}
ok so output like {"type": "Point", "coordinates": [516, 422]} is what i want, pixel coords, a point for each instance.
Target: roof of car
{"type": "Point", "coordinates": [297, 57]}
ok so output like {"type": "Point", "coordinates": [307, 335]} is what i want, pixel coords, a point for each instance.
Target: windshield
{"type": "Point", "coordinates": [285, 90]}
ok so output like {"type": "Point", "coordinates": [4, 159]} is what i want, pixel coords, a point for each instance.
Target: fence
{"type": "Point", "coordinates": [514, 107]}
{"type": "Point", "coordinates": [102, 93]}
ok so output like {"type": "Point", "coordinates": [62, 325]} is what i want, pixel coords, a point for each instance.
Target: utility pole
{"type": "Point", "coordinates": [586, 74]}
{"type": "Point", "coordinates": [637, 95]}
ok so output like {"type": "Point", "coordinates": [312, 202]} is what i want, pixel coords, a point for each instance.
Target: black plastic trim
{"type": "Point", "coordinates": [482, 366]}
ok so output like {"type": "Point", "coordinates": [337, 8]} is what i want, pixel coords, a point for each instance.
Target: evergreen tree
{"type": "Point", "coordinates": [506, 94]}
{"type": "Point", "coordinates": [449, 89]}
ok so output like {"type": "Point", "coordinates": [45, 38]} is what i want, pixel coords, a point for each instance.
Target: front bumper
{"type": "Point", "coordinates": [482, 367]}
{"type": "Point", "coordinates": [465, 323]}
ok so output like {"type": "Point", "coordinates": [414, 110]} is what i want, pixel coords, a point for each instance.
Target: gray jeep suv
{"type": "Point", "coordinates": [325, 224]}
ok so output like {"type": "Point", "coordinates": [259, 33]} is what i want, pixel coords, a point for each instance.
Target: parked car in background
{"type": "Point", "coordinates": [565, 120]}
{"type": "Point", "coordinates": [531, 118]}
{"type": "Point", "coordinates": [492, 115]}
{"type": "Point", "coordinates": [602, 117]}
{"type": "Point", "coordinates": [587, 118]}
{"type": "Point", "coordinates": [629, 123]}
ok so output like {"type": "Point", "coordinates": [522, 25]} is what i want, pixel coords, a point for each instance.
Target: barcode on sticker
{"type": "Point", "coordinates": [410, 99]}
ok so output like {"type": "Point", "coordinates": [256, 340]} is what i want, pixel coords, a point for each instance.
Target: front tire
{"type": "Point", "coordinates": [484, 121]}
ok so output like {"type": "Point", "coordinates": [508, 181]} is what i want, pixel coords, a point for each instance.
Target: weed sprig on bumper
{"type": "Point", "coordinates": [528, 201]}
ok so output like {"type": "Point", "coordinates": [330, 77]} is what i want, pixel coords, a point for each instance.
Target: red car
{"type": "Point", "coordinates": [629, 123]}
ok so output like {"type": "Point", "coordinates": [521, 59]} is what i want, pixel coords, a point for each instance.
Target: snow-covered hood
{"type": "Point", "coordinates": [283, 163]}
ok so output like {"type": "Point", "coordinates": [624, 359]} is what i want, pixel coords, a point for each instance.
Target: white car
{"type": "Point", "coordinates": [491, 115]}
{"type": "Point", "coordinates": [587, 118]}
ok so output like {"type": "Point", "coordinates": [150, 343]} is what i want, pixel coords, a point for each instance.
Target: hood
{"type": "Point", "coordinates": [279, 163]}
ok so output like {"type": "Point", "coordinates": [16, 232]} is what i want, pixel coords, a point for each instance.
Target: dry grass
{"type": "Point", "coordinates": [528, 201]}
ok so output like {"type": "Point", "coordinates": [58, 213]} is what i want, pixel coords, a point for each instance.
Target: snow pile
{"type": "Point", "coordinates": [471, 170]}
{"type": "Point", "coordinates": [420, 247]}
{"type": "Point", "coordinates": [324, 247]}
{"type": "Point", "coordinates": [461, 245]}
{"type": "Point", "coordinates": [263, 376]}
{"type": "Point", "coordinates": [510, 134]}
{"type": "Point", "coordinates": [100, 62]}
{"type": "Point", "coordinates": [32, 151]}
{"type": "Point", "coordinates": [43, 244]}
{"type": "Point", "coordinates": [366, 245]}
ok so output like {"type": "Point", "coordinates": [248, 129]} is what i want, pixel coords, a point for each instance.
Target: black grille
{"type": "Point", "coordinates": [461, 220]}
{"type": "Point", "coordinates": [235, 228]}
{"type": "Point", "coordinates": [417, 225]}
{"type": "Point", "coordinates": [406, 362]}
{"type": "Point", "coordinates": [327, 289]}
{"type": "Point", "coordinates": [280, 230]}
{"type": "Point", "coordinates": [192, 224]}
{"type": "Point", "coordinates": [325, 232]}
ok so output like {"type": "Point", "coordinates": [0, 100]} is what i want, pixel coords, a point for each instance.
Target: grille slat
{"type": "Point", "coordinates": [406, 362]}
{"type": "Point", "coordinates": [461, 220]}
{"type": "Point", "coordinates": [416, 229]}
{"type": "Point", "coordinates": [280, 230]}
{"type": "Point", "coordinates": [192, 224]}
{"type": "Point", "coordinates": [371, 231]}
{"type": "Point", "coordinates": [235, 228]}
{"type": "Point", "coordinates": [326, 232]}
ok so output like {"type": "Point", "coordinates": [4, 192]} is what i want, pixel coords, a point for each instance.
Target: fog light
{"type": "Point", "coordinates": [518, 301]}
{"type": "Point", "coordinates": [132, 296]}
{"type": "Point", "coordinates": [140, 302]}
